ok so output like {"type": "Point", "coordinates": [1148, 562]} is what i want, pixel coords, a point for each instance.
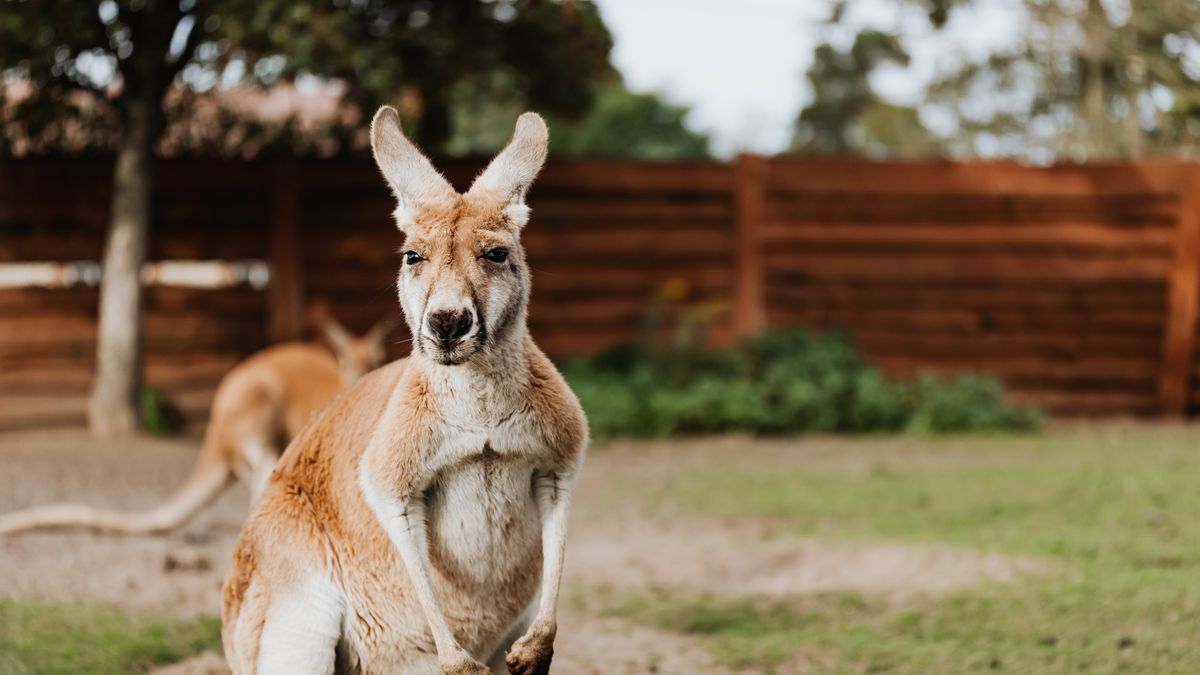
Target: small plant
{"type": "Point", "coordinates": [159, 416]}
{"type": "Point", "coordinates": [781, 382]}
{"type": "Point", "coordinates": [968, 402]}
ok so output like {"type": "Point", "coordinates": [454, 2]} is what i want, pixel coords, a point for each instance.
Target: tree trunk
{"type": "Point", "coordinates": [114, 406]}
{"type": "Point", "coordinates": [1095, 50]}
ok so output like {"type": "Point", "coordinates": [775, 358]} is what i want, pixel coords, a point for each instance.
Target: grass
{"type": "Point", "coordinates": [52, 639]}
{"type": "Point", "coordinates": [1113, 514]}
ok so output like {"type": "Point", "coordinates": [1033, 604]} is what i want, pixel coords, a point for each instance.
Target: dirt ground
{"type": "Point", "coordinates": [613, 544]}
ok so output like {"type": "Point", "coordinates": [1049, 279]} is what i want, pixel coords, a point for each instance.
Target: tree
{"type": "Point", "coordinates": [70, 53]}
{"type": "Point", "coordinates": [94, 75]}
{"type": "Point", "coordinates": [620, 123]}
{"type": "Point", "coordinates": [846, 116]}
{"type": "Point", "coordinates": [421, 56]}
{"type": "Point", "coordinates": [1087, 80]}
{"type": "Point", "coordinates": [627, 124]}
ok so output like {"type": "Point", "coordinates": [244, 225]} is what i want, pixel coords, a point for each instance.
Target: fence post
{"type": "Point", "coordinates": [749, 296]}
{"type": "Point", "coordinates": [1183, 301]}
{"type": "Point", "coordinates": [285, 296]}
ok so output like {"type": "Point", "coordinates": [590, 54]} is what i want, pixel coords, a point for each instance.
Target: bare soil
{"type": "Point", "coordinates": [615, 544]}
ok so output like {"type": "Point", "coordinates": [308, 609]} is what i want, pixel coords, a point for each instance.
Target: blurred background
{"type": "Point", "coordinates": [883, 312]}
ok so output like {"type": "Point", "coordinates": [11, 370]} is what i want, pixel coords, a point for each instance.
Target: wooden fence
{"type": "Point", "coordinates": [1079, 286]}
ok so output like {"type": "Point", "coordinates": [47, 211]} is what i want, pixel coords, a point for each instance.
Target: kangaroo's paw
{"type": "Point", "coordinates": [463, 664]}
{"type": "Point", "coordinates": [531, 654]}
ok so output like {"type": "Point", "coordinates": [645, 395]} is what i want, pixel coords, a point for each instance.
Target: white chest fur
{"type": "Point", "coordinates": [482, 518]}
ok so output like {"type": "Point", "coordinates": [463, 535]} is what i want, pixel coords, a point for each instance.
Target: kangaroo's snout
{"type": "Point", "coordinates": [448, 325]}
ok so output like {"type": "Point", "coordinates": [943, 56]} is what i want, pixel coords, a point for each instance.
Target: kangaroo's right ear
{"type": "Point", "coordinates": [410, 174]}
{"type": "Point", "coordinates": [339, 338]}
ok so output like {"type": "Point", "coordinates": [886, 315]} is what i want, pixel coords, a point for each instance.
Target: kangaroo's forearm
{"type": "Point", "coordinates": [553, 493]}
{"type": "Point", "coordinates": [411, 541]}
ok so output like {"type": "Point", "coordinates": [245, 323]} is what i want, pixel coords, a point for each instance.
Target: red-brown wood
{"type": "Point", "coordinates": [749, 301]}
{"type": "Point", "coordinates": [1179, 342]}
{"type": "Point", "coordinates": [285, 307]}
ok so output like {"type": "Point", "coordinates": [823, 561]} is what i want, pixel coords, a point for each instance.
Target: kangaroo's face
{"type": "Point", "coordinates": [463, 282]}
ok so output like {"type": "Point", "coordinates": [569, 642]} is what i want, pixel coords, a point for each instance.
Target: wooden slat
{"type": "Point", "coordinates": [866, 206]}
{"type": "Point", "coordinates": [1045, 236]}
{"type": "Point", "coordinates": [953, 269]}
{"type": "Point", "coordinates": [749, 299]}
{"type": "Point", "coordinates": [867, 295]}
{"type": "Point", "coordinates": [1179, 343]}
{"type": "Point", "coordinates": [285, 307]}
{"type": "Point", "coordinates": [994, 178]}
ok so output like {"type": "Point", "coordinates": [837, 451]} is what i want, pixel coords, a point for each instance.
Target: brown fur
{"type": "Point", "coordinates": [483, 414]}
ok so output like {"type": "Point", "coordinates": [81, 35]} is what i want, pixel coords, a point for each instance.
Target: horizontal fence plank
{"type": "Point", "coordinates": [1137, 210]}
{"type": "Point", "coordinates": [978, 178]}
{"type": "Point", "coordinates": [1047, 236]}
{"type": "Point", "coordinates": [954, 268]}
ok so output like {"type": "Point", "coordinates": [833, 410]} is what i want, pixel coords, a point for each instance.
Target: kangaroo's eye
{"type": "Point", "coordinates": [497, 255]}
{"type": "Point", "coordinates": [412, 257]}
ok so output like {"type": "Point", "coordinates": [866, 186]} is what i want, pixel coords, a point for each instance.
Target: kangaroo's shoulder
{"type": "Point", "coordinates": [555, 405]}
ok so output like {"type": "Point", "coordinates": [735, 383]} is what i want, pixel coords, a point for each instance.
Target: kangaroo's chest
{"type": "Point", "coordinates": [483, 534]}
{"type": "Point", "coordinates": [483, 521]}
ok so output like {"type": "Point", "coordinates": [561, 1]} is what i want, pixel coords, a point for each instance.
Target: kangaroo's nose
{"type": "Point", "coordinates": [449, 325]}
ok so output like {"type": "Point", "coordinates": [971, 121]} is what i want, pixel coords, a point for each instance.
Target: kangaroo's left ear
{"type": "Point", "coordinates": [512, 171]}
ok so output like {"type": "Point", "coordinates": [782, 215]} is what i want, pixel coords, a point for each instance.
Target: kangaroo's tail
{"type": "Point", "coordinates": [205, 483]}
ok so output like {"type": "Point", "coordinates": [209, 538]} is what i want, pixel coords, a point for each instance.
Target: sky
{"type": "Point", "coordinates": [740, 64]}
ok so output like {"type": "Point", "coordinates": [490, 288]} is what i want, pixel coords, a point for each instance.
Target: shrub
{"type": "Point", "coordinates": [781, 382]}
{"type": "Point", "coordinates": [159, 416]}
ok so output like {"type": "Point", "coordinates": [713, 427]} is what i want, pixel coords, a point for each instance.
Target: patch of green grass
{"type": "Point", "coordinates": [1116, 520]}
{"type": "Point", "coordinates": [51, 639]}
{"type": "Point", "coordinates": [1035, 628]}
{"type": "Point", "coordinates": [741, 632]}
{"type": "Point", "coordinates": [1132, 504]}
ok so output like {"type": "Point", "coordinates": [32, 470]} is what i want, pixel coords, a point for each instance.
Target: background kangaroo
{"type": "Point", "coordinates": [258, 408]}
{"type": "Point", "coordinates": [419, 524]}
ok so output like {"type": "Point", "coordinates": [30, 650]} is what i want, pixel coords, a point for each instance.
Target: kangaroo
{"type": "Point", "coordinates": [259, 406]}
{"type": "Point", "coordinates": [418, 525]}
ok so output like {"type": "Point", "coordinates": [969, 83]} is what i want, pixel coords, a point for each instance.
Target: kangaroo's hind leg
{"type": "Point", "coordinates": [286, 631]}
{"type": "Point", "coordinates": [257, 455]}
{"type": "Point", "coordinates": [261, 459]}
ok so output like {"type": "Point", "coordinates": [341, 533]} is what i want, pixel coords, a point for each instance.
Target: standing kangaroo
{"type": "Point", "coordinates": [418, 525]}
{"type": "Point", "coordinates": [259, 407]}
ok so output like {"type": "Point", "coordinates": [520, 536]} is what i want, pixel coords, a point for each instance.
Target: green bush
{"type": "Point", "coordinates": [782, 382]}
{"type": "Point", "coordinates": [159, 416]}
